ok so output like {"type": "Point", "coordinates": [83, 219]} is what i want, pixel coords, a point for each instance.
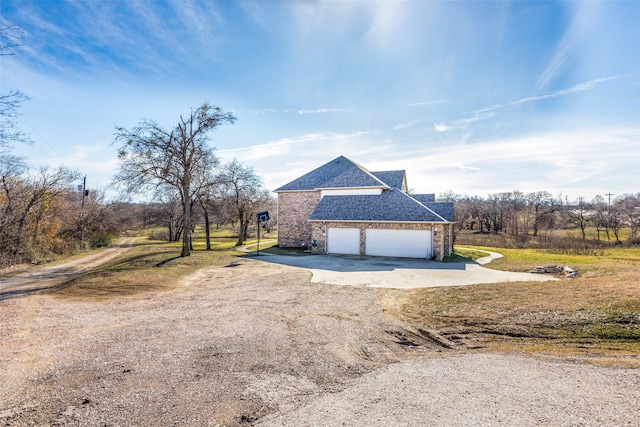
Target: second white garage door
{"type": "Point", "coordinates": [343, 241]}
{"type": "Point", "coordinates": [399, 243]}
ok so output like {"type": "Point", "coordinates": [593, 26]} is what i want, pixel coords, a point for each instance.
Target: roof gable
{"type": "Point", "coordinates": [354, 177]}
{"type": "Point", "coordinates": [391, 205]}
{"type": "Point", "coordinates": [338, 173]}
{"type": "Point", "coordinates": [395, 179]}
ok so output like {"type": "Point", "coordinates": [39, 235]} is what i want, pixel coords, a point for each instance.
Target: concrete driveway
{"type": "Point", "coordinates": [401, 273]}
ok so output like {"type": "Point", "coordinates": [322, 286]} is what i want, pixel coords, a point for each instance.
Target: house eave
{"type": "Point", "coordinates": [332, 188]}
{"type": "Point", "coordinates": [382, 187]}
{"type": "Point", "coordinates": [378, 222]}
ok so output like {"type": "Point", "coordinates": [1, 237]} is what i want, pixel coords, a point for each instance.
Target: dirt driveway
{"type": "Point", "coordinates": [257, 343]}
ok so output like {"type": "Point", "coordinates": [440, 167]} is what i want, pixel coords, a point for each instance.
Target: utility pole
{"type": "Point", "coordinates": [609, 194]}
{"type": "Point", "coordinates": [84, 194]}
{"type": "Point", "coordinates": [84, 190]}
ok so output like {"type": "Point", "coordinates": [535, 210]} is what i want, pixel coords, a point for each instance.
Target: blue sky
{"type": "Point", "coordinates": [474, 97]}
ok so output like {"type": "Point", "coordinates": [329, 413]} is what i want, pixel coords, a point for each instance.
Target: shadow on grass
{"type": "Point", "coordinates": [166, 261]}
{"type": "Point", "coordinates": [108, 285]}
{"type": "Point", "coordinates": [454, 257]}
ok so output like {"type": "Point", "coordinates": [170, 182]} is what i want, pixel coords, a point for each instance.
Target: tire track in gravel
{"type": "Point", "coordinates": [49, 276]}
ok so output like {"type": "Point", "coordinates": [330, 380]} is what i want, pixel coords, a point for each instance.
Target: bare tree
{"type": "Point", "coordinates": [579, 216]}
{"type": "Point", "coordinates": [599, 218]}
{"type": "Point", "coordinates": [630, 212]}
{"type": "Point", "coordinates": [151, 156]}
{"type": "Point", "coordinates": [543, 206]}
{"type": "Point", "coordinates": [207, 191]}
{"type": "Point", "coordinates": [462, 212]}
{"type": "Point", "coordinates": [27, 204]}
{"type": "Point", "coordinates": [518, 217]}
{"type": "Point", "coordinates": [10, 37]}
{"type": "Point", "coordinates": [244, 193]}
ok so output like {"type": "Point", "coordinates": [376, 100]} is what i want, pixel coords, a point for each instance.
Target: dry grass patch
{"type": "Point", "coordinates": [149, 267]}
{"type": "Point", "coordinates": [596, 316]}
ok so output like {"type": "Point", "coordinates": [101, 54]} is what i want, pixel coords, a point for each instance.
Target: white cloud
{"type": "Point", "coordinates": [405, 125]}
{"type": "Point", "coordinates": [464, 123]}
{"type": "Point", "coordinates": [490, 111]}
{"type": "Point", "coordinates": [263, 111]}
{"type": "Point", "coordinates": [426, 103]}
{"type": "Point", "coordinates": [280, 161]}
{"type": "Point", "coordinates": [442, 127]}
{"type": "Point", "coordinates": [577, 162]}
{"type": "Point", "coordinates": [572, 161]}
{"type": "Point", "coordinates": [563, 92]}
{"type": "Point", "coordinates": [581, 23]}
{"type": "Point", "coordinates": [320, 110]}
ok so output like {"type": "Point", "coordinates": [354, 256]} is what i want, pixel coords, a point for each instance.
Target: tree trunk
{"type": "Point", "coordinates": [186, 222]}
{"type": "Point", "coordinates": [207, 233]}
{"type": "Point", "coordinates": [241, 234]}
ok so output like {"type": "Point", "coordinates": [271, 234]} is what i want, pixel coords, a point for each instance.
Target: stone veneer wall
{"type": "Point", "coordinates": [294, 210]}
{"type": "Point", "coordinates": [441, 240]}
{"type": "Point", "coordinates": [448, 239]}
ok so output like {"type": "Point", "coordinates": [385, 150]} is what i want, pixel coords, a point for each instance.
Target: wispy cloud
{"type": "Point", "coordinates": [442, 127]}
{"type": "Point", "coordinates": [464, 123]}
{"type": "Point", "coordinates": [571, 37]}
{"type": "Point", "coordinates": [426, 103]}
{"type": "Point", "coordinates": [287, 158]}
{"type": "Point", "coordinates": [263, 111]}
{"type": "Point", "coordinates": [571, 161]}
{"type": "Point", "coordinates": [577, 88]}
{"type": "Point", "coordinates": [276, 147]}
{"type": "Point", "coordinates": [490, 111]}
{"type": "Point", "coordinates": [319, 110]}
{"type": "Point", "coordinates": [465, 167]}
{"type": "Point", "coordinates": [405, 125]}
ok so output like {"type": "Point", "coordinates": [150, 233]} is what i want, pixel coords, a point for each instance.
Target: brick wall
{"type": "Point", "coordinates": [294, 209]}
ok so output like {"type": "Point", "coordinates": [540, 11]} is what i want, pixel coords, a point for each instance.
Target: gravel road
{"type": "Point", "coordinates": [256, 343]}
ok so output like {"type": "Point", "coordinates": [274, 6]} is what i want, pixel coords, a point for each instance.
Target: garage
{"type": "Point", "coordinates": [399, 243]}
{"type": "Point", "coordinates": [343, 241]}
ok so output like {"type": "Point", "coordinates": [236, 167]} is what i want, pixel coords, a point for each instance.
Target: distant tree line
{"type": "Point", "coordinates": [528, 219]}
{"type": "Point", "coordinates": [42, 215]}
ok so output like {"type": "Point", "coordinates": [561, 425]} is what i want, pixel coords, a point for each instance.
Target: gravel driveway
{"type": "Point", "coordinates": [255, 343]}
{"type": "Point", "coordinates": [478, 390]}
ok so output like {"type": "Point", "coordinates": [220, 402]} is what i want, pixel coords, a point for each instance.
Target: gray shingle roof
{"type": "Point", "coordinates": [424, 198]}
{"type": "Point", "coordinates": [392, 205]}
{"type": "Point", "coordinates": [393, 179]}
{"type": "Point", "coordinates": [340, 172]}
{"type": "Point", "coordinates": [354, 177]}
{"type": "Point", "coordinates": [444, 209]}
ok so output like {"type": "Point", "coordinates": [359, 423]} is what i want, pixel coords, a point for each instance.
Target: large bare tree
{"type": "Point", "coordinates": [151, 156]}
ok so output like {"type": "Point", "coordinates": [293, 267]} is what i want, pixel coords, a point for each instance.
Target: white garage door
{"type": "Point", "coordinates": [343, 241]}
{"type": "Point", "coordinates": [399, 243]}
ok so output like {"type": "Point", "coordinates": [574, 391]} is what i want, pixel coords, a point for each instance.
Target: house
{"type": "Point", "coordinates": [342, 208]}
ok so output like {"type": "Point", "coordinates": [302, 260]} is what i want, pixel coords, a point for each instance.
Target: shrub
{"type": "Point", "coordinates": [102, 240]}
